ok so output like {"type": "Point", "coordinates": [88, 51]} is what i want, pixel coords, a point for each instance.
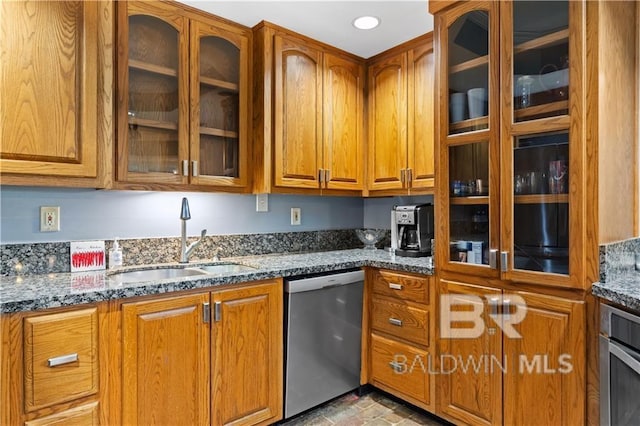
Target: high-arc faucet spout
{"type": "Point", "coordinates": [185, 252]}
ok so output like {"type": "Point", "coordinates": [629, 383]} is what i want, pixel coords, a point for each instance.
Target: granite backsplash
{"type": "Point", "coordinates": [617, 259]}
{"type": "Point", "coordinates": [43, 258]}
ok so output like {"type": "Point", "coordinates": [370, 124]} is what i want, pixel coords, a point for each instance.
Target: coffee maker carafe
{"type": "Point", "coordinates": [412, 230]}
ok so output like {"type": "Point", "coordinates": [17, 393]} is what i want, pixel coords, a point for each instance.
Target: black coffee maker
{"type": "Point", "coordinates": [412, 230]}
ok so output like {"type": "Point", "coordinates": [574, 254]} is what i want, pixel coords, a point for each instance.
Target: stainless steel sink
{"type": "Point", "coordinates": [155, 274]}
{"type": "Point", "coordinates": [226, 268]}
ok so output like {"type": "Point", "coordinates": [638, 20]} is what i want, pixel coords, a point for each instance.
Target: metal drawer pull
{"type": "Point", "coordinates": [395, 367]}
{"type": "Point", "coordinates": [394, 286]}
{"type": "Point", "coordinates": [64, 359]}
{"type": "Point", "coordinates": [395, 321]}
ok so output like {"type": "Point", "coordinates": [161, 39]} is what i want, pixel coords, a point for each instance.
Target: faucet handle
{"type": "Point", "coordinates": [216, 257]}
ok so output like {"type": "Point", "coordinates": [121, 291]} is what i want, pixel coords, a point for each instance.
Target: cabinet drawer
{"type": "Point", "coordinates": [403, 321]}
{"type": "Point", "coordinates": [400, 367]}
{"type": "Point", "coordinates": [60, 357]}
{"type": "Point", "coordinates": [402, 286]}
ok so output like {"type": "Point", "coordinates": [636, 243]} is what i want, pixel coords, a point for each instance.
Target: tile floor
{"type": "Point", "coordinates": [373, 409]}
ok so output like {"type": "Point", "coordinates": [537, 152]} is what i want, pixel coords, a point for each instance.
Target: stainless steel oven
{"type": "Point", "coordinates": [619, 367]}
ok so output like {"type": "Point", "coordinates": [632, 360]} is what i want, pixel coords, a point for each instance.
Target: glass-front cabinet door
{"type": "Point", "coordinates": [540, 148]}
{"type": "Point", "coordinates": [219, 88]}
{"type": "Point", "coordinates": [152, 95]}
{"type": "Point", "coordinates": [468, 131]}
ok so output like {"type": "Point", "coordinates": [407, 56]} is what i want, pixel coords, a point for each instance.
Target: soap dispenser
{"type": "Point", "coordinates": [115, 255]}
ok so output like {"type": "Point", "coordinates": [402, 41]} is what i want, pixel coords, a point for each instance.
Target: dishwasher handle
{"type": "Point", "coordinates": [323, 281]}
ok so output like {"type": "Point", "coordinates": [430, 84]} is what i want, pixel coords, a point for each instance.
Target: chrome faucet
{"type": "Point", "coordinates": [185, 251]}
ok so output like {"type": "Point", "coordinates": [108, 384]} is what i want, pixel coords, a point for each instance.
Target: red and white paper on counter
{"type": "Point", "coordinates": [87, 256]}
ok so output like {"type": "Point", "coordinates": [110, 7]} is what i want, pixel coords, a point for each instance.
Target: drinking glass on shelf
{"type": "Point", "coordinates": [524, 85]}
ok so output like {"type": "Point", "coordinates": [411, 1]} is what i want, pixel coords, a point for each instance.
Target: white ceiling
{"type": "Point", "coordinates": [330, 21]}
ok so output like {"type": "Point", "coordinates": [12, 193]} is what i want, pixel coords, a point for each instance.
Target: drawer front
{"type": "Point", "coordinates": [400, 367]}
{"type": "Point", "coordinates": [399, 320]}
{"type": "Point", "coordinates": [407, 287]}
{"type": "Point", "coordinates": [60, 357]}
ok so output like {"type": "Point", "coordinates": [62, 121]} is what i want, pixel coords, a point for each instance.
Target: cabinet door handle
{"type": "Point", "coordinates": [327, 175]}
{"type": "Point", "coordinates": [62, 360]}
{"type": "Point", "coordinates": [194, 168]}
{"type": "Point", "coordinates": [395, 367]}
{"type": "Point", "coordinates": [504, 261]}
{"type": "Point", "coordinates": [394, 286]}
{"type": "Point", "coordinates": [410, 176]}
{"type": "Point", "coordinates": [493, 259]}
{"type": "Point", "coordinates": [321, 176]}
{"type": "Point", "coordinates": [206, 313]}
{"type": "Point", "coordinates": [217, 314]}
{"type": "Point", "coordinates": [493, 304]}
{"type": "Point", "coordinates": [506, 309]}
{"type": "Point", "coordinates": [395, 321]}
{"type": "Point", "coordinates": [403, 176]}
{"type": "Point", "coordinates": [185, 167]}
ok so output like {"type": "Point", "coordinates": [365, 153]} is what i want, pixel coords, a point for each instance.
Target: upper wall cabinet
{"type": "Point", "coordinates": [183, 99]}
{"type": "Point", "coordinates": [401, 119]}
{"type": "Point", "coordinates": [309, 130]}
{"type": "Point", "coordinates": [55, 92]}
{"type": "Point", "coordinates": [524, 137]}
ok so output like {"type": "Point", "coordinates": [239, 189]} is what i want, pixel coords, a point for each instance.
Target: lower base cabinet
{"type": "Point", "coordinates": [208, 358]}
{"type": "Point", "coordinates": [533, 376]}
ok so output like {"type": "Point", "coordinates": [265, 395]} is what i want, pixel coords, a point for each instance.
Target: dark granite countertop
{"type": "Point", "coordinates": [33, 292]}
{"type": "Point", "coordinates": [624, 290]}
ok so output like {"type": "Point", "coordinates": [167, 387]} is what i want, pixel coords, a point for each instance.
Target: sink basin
{"type": "Point", "coordinates": [225, 268]}
{"type": "Point", "coordinates": [155, 274]}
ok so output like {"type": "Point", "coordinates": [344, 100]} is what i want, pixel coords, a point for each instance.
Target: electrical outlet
{"type": "Point", "coordinates": [49, 219]}
{"type": "Point", "coordinates": [296, 216]}
{"type": "Point", "coordinates": [262, 202]}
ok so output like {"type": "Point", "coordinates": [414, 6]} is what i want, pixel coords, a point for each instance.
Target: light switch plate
{"type": "Point", "coordinates": [49, 219]}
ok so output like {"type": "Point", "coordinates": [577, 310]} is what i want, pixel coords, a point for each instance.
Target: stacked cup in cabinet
{"type": "Point", "coordinates": [401, 335]}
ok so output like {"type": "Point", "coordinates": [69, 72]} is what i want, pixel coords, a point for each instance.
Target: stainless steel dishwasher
{"type": "Point", "coordinates": [323, 327]}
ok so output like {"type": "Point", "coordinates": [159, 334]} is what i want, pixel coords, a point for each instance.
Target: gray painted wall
{"type": "Point", "coordinates": [93, 214]}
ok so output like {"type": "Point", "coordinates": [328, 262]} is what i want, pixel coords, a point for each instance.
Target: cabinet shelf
{"type": "Point", "coordinates": [544, 41]}
{"type": "Point", "coordinates": [219, 83]}
{"type": "Point", "coordinates": [469, 124]}
{"type": "Point", "coordinates": [541, 198]}
{"type": "Point", "coordinates": [467, 65]}
{"type": "Point", "coordinates": [166, 125]}
{"type": "Point", "coordinates": [541, 110]}
{"type": "Point", "coordinates": [470, 200]}
{"type": "Point", "coordinates": [156, 69]}
{"type": "Point", "coordinates": [218, 132]}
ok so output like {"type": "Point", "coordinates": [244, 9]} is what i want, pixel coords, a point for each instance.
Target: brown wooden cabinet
{"type": "Point", "coordinates": [500, 377]}
{"type": "Point", "coordinates": [247, 360]}
{"type": "Point", "coordinates": [398, 335]}
{"type": "Point", "coordinates": [309, 129]}
{"type": "Point", "coordinates": [206, 358]}
{"type": "Point", "coordinates": [56, 101]}
{"type": "Point", "coordinates": [401, 119]}
{"type": "Point", "coordinates": [51, 367]}
{"type": "Point", "coordinates": [165, 361]}
{"type": "Point", "coordinates": [183, 99]}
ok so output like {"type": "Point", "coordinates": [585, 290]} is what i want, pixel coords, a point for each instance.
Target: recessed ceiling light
{"type": "Point", "coordinates": [366, 22]}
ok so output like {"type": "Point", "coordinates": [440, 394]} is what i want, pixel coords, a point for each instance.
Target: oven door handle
{"type": "Point", "coordinates": [631, 359]}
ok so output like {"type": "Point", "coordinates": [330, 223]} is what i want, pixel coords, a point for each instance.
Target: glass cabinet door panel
{"type": "Point", "coordinates": [219, 107]}
{"type": "Point", "coordinates": [153, 98]}
{"type": "Point", "coordinates": [540, 59]}
{"type": "Point", "coordinates": [541, 203]}
{"type": "Point", "coordinates": [469, 203]}
{"type": "Point", "coordinates": [219, 156]}
{"type": "Point", "coordinates": [468, 53]}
